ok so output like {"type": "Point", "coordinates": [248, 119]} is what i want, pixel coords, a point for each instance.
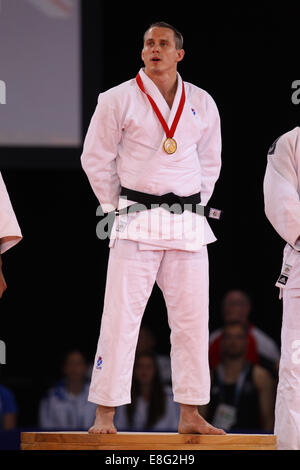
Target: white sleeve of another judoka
{"type": "Point", "coordinates": [10, 233]}
{"type": "Point", "coordinates": [282, 204]}
{"type": "Point", "coordinates": [100, 150]}
{"type": "Point", "coordinates": [209, 150]}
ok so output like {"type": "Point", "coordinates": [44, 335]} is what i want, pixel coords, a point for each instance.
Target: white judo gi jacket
{"type": "Point", "coordinates": [124, 147]}
{"type": "Point", "coordinates": [282, 206]}
{"type": "Point", "coordinates": [10, 233]}
{"type": "Point", "coordinates": [282, 201]}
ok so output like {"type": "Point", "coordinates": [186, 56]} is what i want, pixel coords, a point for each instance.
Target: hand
{"type": "Point", "coordinates": [3, 285]}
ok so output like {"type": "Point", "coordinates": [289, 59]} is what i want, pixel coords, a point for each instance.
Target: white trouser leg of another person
{"type": "Point", "coordinates": [287, 409]}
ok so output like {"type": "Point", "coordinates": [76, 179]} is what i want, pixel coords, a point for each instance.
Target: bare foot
{"type": "Point", "coordinates": [104, 421]}
{"type": "Point", "coordinates": [191, 422]}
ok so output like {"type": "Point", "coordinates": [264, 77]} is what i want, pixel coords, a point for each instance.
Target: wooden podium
{"type": "Point", "coordinates": [144, 441]}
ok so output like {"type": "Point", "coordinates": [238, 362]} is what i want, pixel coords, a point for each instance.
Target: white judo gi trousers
{"type": "Point", "coordinates": [184, 280]}
{"type": "Point", "coordinates": [287, 409]}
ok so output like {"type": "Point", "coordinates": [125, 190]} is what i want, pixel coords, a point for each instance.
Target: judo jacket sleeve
{"type": "Point", "coordinates": [209, 151]}
{"type": "Point", "coordinates": [100, 151]}
{"type": "Point", "coordinates": [281, 188]}
{"type": "Point", "coordinates": [10, 233]}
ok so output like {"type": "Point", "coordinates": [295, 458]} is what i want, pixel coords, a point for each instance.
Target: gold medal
{"type": "Point", "coordinates": [170, 145]}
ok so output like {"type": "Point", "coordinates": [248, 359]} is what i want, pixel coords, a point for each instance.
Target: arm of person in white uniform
{"type": "Point", "coordinates": [209, 151]}
{"type": "Point", "coordinates": [10, 233]}
{"type": "Point", "coordinates": [282, 204]}
{"type": "Point", "coordinates": [100, 151]}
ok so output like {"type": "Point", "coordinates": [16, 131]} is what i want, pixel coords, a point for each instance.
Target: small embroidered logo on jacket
{"type": "Point", "coordinates": [194, 112]}
{"type": "Point", "coordinates": [99, 363]}
{"type": "Point", "coordinates": [282, 279]}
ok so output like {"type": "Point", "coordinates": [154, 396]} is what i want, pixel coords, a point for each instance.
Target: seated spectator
{"type": "Point", "coordinates": [8, 409]}
{"type": "Point", "coordinates": [261, 349]}
{"type": "Point", "coordinates": [147, 344]}
{"type": "Point", "coordinates": [65, 406]}
{"type": "Point", "coordinates": [242, 393]}
{"type": "Point", "coordinates": [152, 407]}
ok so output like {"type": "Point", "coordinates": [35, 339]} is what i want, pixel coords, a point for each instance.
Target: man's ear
{"type": "Point", "coordinates": [142, 55]}
{"type": "Point", "coordinates": [180, 55]}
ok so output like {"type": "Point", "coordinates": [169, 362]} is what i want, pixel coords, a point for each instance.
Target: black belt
{"type": "Point", "coordinates": [169, 201]}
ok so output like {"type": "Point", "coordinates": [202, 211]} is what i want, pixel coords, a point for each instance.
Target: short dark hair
{"type": "Point", "coordinates": [240, 291]}
{"type": "Point", "coordinates": [74, 350]}
{"type": "Point", "coordinates": [177, 35]}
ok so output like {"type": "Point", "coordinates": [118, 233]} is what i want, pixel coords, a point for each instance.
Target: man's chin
{"type": "Point", "coordinates": [155, 68]}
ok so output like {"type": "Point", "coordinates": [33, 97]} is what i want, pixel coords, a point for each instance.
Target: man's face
{"type": "Point", "coordinates": [144, 370]}
{"type": "Point", "coordinates": [159, 53]}
{"type": "Point", "coordinates": [236, 307]}
{"type": "Point", "coordinates": [234, 342]}
{"type": "Point", "coordinates": [75, 368]}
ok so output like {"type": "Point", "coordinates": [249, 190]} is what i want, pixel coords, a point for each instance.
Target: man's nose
{"type": "Point", "coordinates": [156, 48]}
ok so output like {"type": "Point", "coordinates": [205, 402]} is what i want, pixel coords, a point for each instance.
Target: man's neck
{"type": "Point", "coordinates": [233, 367]}
{"type": "Point", "coordinates": [166, 83]}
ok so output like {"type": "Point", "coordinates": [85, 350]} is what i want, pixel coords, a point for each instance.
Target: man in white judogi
{"type": "Point", "coordinates": [282, 206]}
{"type": "Point", "coordinates": [130, 145]}
{"type": "Point", "coordinates": [10, 233]}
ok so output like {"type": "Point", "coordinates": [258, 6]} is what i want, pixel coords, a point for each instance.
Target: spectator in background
{"type": "Point", "coordinates": [242, 393]}
{"type": "Point", "coordinates": [8, 409]}
{"type": "Point", "coordinates": [236, 306]}
{"type": "Point", "coordinates": [147, 344]}
{"type": "Point", "coordinates": [65, 406]}
{"type": "Point", "coordinates": [152, 407]}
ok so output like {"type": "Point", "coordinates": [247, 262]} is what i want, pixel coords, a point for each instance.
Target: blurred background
{"type": "Point", "coordinates": [55, 58]}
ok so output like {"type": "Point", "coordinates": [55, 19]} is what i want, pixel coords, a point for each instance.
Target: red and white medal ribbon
{"type": "Point", "coordinates": [169, 144]}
